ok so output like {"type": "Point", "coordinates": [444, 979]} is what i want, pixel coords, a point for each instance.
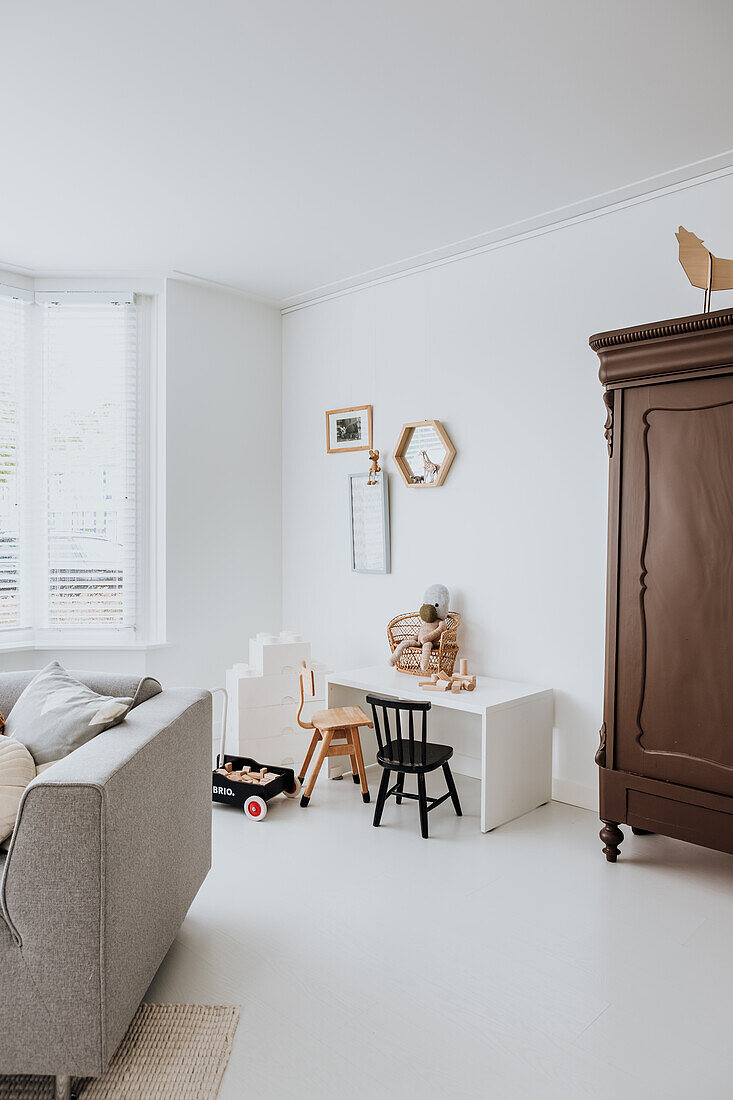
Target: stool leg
{"type": "Point", "coordinates": [309, 756]}
{"type": "Point", "coordinates": [400, 788]}
{"type": "Point", "coordinates": [360, 763]}
{"type": "Point", "coordinates": [322, 754]}
{"type": "Point", "coordinates": [354, 762]}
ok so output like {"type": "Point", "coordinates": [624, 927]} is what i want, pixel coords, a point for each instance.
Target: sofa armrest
{"type": "Point", "coordinates": [110, 847]}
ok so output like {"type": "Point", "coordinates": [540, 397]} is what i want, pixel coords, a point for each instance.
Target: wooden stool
{"type": "Point", "coordinates": [336, 733]}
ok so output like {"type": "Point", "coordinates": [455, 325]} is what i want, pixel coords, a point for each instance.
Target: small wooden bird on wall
{"type": "Point", "coordinates": [702, 268]}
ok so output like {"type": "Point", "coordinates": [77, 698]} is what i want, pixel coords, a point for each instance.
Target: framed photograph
{"type": "Point", "coordinates": [349, 429]}
{"type": "Point", "coordinates": [369, 524]}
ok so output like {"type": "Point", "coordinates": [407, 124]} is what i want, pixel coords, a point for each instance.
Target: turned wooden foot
{"type": "Point", "coordinates": [641, 832]}
{"type": "Point", "coordinates": [611, 836]}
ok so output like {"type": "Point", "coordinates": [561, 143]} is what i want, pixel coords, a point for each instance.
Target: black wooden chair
{"type": "Point", "coordinates": [408, 755]}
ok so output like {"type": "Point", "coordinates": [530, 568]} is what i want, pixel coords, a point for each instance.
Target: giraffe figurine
{"type": "Point", "coordinates": [431, 468]}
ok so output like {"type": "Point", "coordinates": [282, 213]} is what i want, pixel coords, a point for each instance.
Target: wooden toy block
{"type": "Point", "coordinates": [463, 667]}
{"type": "Point", "coordinates": [456, 687]}
{"type": "Point", "coordinates": [435, 677]}
{"type": "Point", "coordinates": [466, 680]}
{"type": "Point", "coordinates": [228, 766]}
{"type": "Point", "coordinates": [431, 687]}
{"type": "Point", "coordinates": [443, 676]}
{"type": "Point", "coordinates": [426, 683]}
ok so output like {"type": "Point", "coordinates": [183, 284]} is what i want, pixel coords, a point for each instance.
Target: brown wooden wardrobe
{"type": "Point", "coordinates": [666, 752]}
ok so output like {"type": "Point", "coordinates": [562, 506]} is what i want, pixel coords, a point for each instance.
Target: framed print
{"type": "Point", "coordinates": [349, 429]}
{"type": "Point", "coordinates": [369, 523]}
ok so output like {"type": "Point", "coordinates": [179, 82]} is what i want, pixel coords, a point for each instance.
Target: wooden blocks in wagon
{"type": "Point", "coordinates": [246, 775]}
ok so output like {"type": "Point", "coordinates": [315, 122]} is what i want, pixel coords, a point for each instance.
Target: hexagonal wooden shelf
{"type": "Point", "coordinates": [415, 441]}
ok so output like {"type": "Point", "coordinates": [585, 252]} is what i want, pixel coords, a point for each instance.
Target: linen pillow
{"type": "Point", "coordinates": [57, 714]}
{"type": "Point", "coordinates": [16, 771]}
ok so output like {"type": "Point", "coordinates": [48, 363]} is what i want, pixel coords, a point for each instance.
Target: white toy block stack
{"type": "Point", "coordinates": [264, 700]}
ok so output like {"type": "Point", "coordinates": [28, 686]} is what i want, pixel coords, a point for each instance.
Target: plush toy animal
{"type": "Point", "coordinates": [374, 468]}
{"type": "Point", "coordinates": [433, 613]}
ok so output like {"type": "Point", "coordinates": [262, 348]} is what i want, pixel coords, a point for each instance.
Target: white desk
{"type": "Point", "coordinates": [515, 759]}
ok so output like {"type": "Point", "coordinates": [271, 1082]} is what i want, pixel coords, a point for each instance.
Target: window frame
{"type": "Point", "coordinates": [150, 626]}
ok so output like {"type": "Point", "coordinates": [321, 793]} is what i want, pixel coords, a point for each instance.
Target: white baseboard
{"type": "Point", "coordinates": [575, 794]}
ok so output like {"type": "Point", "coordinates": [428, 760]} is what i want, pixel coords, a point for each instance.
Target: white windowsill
{"type": "Point", "coordinates": [48, 647]}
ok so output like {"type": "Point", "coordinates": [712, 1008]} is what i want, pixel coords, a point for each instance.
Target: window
{"type": "Point", "coordinates": [76, 562]}
{"type": "Point", "coordinates": [13, 325]}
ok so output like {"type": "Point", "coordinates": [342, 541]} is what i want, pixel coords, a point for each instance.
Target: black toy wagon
{"type": "Point", "coordinates": [251, 785]}
{"type": "Point", "coordinates": [242, 781]}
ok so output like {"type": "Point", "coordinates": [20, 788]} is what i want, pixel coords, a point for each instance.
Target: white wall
{"type": "Point", "coordinates": [223, 399]}
{"type": "Point", "coordinates": [223, 515]}
{"type": "Point", "coordinates": [495, 346]}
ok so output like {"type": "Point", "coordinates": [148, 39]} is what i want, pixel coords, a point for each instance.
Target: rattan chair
{"type": "Point", "coordinates": [442, 659]}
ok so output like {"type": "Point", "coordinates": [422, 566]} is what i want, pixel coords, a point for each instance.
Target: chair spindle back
{"type": "Point", "coordinates": [404, 750]}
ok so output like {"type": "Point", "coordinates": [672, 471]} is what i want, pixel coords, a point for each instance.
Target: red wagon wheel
{"type": "Point", "coordinates": [255, 808]}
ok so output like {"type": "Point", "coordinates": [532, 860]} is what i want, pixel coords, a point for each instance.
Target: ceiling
{"type": "Point", "coordinates": [285, 145]}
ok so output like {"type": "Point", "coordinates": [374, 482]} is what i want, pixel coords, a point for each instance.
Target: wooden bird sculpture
{"type": "Point", "coordinates": [702, 268]}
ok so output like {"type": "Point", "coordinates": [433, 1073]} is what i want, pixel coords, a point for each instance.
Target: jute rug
{"type": "Point", "coordinates": [170, 1052]}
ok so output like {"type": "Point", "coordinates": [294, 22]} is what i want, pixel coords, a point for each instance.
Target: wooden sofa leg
{"type": "Point", "coordinates": [63, 1088]}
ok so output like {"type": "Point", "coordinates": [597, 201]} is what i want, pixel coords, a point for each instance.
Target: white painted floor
{"type": "Point", "coordinates": [517, 964]}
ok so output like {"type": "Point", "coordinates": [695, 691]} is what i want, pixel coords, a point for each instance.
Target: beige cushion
{"type": "Point", "coordinates": [17, 768]}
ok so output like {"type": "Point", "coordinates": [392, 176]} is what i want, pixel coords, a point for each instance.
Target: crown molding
{"type": "Point", "coordinates": [677, 179]}
{"type": "Point", "coordinates": [144, 282]}
{"type": "Point", "coordinates": [229, 288]}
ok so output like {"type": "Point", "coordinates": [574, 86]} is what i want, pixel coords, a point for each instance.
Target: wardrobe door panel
{"type": "Point", "coordinates": [674, 687]}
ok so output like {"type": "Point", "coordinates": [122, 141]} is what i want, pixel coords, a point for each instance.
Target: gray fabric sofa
{"type": "Point", "coordinates": [109, 849]}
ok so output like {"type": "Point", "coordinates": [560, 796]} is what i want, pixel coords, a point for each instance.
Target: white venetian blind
{"type": "Point", "coordinates": [89, 497]}
{"type": "Point", "coordinates": [13, 325]}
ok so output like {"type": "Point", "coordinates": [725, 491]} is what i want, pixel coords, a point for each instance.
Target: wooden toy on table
{"type": "Point", "coordinates": [459, 681]}
{"type": "Point", "coordinates": [336, 733]}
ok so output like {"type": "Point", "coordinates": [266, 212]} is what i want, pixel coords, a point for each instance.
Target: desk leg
{"type": "Point", "coordinates": [516, 760]}
{"type": "Point", "coordinates": [484, 775]}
